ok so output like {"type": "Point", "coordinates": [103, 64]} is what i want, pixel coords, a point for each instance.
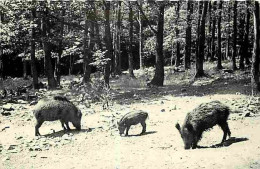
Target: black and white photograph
{"type": "Point", "coordinates": [129, 84]}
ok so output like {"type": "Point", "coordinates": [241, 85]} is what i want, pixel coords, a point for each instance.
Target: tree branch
{"type": "Point", "coordinates": [149, 23]}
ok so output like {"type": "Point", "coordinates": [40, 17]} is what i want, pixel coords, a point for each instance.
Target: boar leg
{"type": "Point", "coordinates": [127, 129]}
{"type": "Point", "coordinates": [67, 125]}
{"type": "Point", "coordinates": [37, 126]}
{"type": "Point", "coordinates": [144, 127]}
{"type": "Point", "coordinates": [62, 124]}
{"type": "Point", "coordinates": [226, 131]}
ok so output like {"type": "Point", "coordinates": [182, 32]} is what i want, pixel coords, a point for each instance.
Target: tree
{"type": "Point", "coordinates": [47, 48]}
{"type": "Point", "coordinates": [159, 67]}
{"type": "Point", "coordinates": [234, 36]}
{"type": "Point", "coordinates": [108, 42]}
{"type": "Point", "coordinates": [213, 48]}
{"type": "Point", "coordinates": [88, 48]}
{"type": "Point", "coordinates": [60, 48]}
{"type": "Point", "coordinates": [246, 40]}
{"type": "Point", "coordinates": [140, 36]}
{"type": "Point", "coordinates": [219, 66]}
{"type": "Point", "coordinates": [255, 58]}
{"type": "Point", "coordinates": [33, 59]}
{"type": "Point", "coordinates": [130, 45]}
{"type": "Point", "coordinates": [201, 41]}
{"type": "Point", "coordinates": [178, 57]}
{"type": "Point", "coordinates": [241, 42]}
{"type": "Point", "coordinates": [1, 56]}
{"type": "Point", "coordinates": [118, 41]}
{"type": "Point", "coordinates": [188, 36]}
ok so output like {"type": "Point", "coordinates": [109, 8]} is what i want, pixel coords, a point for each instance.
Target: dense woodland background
{"type": "Point", "coordinates": [56, 38]}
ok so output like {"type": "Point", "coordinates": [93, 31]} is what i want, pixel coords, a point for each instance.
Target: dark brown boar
{"type": "Point", "coordinates": [132, 118]}
{"type": "Point", "coordinates": [57, 108]}
{"type": "Point", "coordinates": [204, 117]}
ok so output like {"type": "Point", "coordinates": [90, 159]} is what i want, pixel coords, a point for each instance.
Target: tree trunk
{"type": "Point", "coordinates": [130, 46]}
{"type": "Point", "coordinates": [178, 57]}
{"type": "Point", "coordinates": [234, 36]}
{"type": "Point", "coordinates": [118, 42]}
{"type": "Point", "coordinates": [209, 37]}
{"type": "Point", "coordinates": [200, 56]}
{"type": "Point", "coordinates": [58, 73]}
{"type": "Point", "coordinates": [159, 67]}
{"type": "Point", "coordinates": [246, 40]}
{"type": "Point", "coordinates": [88, 48]}
{"type": "Point", "coordinates": [227, 56]}
{"type": "Point", "coordinates": [255, 59]}
{"type": "Point", "coordinates": [108, 42]}
{"type": "Point", "coordinates": [140, 37]}
{"type": "Point", "coordinates": [241, 43]}
{"type": "Point", "coordinates": [52, 84]}
{"type": "Point", "coordinates": [213, 48]}
{"type": "Point", "coordinates": [25, 69]}
{"type": "Point", "coordinates": [1, 58]}
{"type": "Point", "coordinates": [200, 5]}
{"type": "Point", "coordinates": [219, 65]}
{"type": "Point", "coordinates": [187, 63]}
{"type": "Point", "coordinates": [33, 60]}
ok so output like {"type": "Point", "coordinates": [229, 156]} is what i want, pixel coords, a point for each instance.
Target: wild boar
{"type": "Point", "coordinates": [57, 108]}
{"type": "Point", "coordinates": [204, 117]}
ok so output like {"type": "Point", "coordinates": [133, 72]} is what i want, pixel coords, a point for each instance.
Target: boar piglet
{"type": "Point", "coordinates": [132, 118]}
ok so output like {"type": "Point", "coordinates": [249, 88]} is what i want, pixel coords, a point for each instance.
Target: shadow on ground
{"type": "Point", "coordinates": [217, 86]}
{"type": "Point", "coordinates": [227, 143]}
{"type": "Point", "coordinates": [146, 133]}
{"type": "Point", "coordinates": [62, 132]}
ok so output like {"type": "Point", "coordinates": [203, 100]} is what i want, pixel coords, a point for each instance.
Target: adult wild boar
{"type": "Point", "coordinates": [204, 117]}
{"type": "Point", "coordinates": [132, 118]}
{"type": "Point", "coordinates": [57, 108]}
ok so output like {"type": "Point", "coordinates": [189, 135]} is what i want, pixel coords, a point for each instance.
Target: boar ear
{"type": "Point", "coordinates": [189, 127]}
{"type": "Point", "coordinates": [178, 126]}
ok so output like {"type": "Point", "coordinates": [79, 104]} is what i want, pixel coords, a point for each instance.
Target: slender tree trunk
{"type": "Point", "coordinates": [178, 57]}
{"type": "Point", "coordinates": [246, 40]}
{"type": "Point", "coordinates": [234, 36]}
{"type": "Point", "coordinates": [108, 42]}
{"type": "Point", "coordinates": [255, 59]}
{"type": "Point", "coordinates": [88, 48]}
{"type": "Point", "coordinates": [187, 63]}
{"type": "Point", "coordinates": [219, 65]}
{"type": "Point", "coordinates": [200, 56]}
{"type": "Point", "coordinates": [25, 69]}
{"type": "Point", "coordinates": [99, 43]}
{"type": "Point", "coordinates": [241, 43]}
{"type": "Point", "coordinates": [130, 47]}
{"type": "Point", "coordinates": [200, 5]}
{"type": "Point", "coordinates": [228, 33]}
{"type": "Point", "coordinates": [1, 58]}
{"type": "Point", "coordinates": [209, 37]}
{"type": "Point", "coordinates": [213, 48]}
{"type": "Point", "coordinates": [52, 84]}
{"type": "Point", "coordinates": [118, 42]}
{"type": "Point", "coordinates": [58, 73]}
{"type": "Point", "coordinates": [140, 37]}
{"type": "Point", "coordinates": [159, 67]}
{"type": "Point", "coordinates": [33, 60]}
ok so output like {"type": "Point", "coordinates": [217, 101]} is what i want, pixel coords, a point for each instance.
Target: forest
{"type": "Point", "coordinates": [108, 58]}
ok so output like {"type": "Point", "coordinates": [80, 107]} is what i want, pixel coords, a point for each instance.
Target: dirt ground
{"type": "Point", "coordinates": [99, 145]}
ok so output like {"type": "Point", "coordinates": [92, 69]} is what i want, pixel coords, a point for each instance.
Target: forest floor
{"type": "Point", "coordinates": [99, 145]}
